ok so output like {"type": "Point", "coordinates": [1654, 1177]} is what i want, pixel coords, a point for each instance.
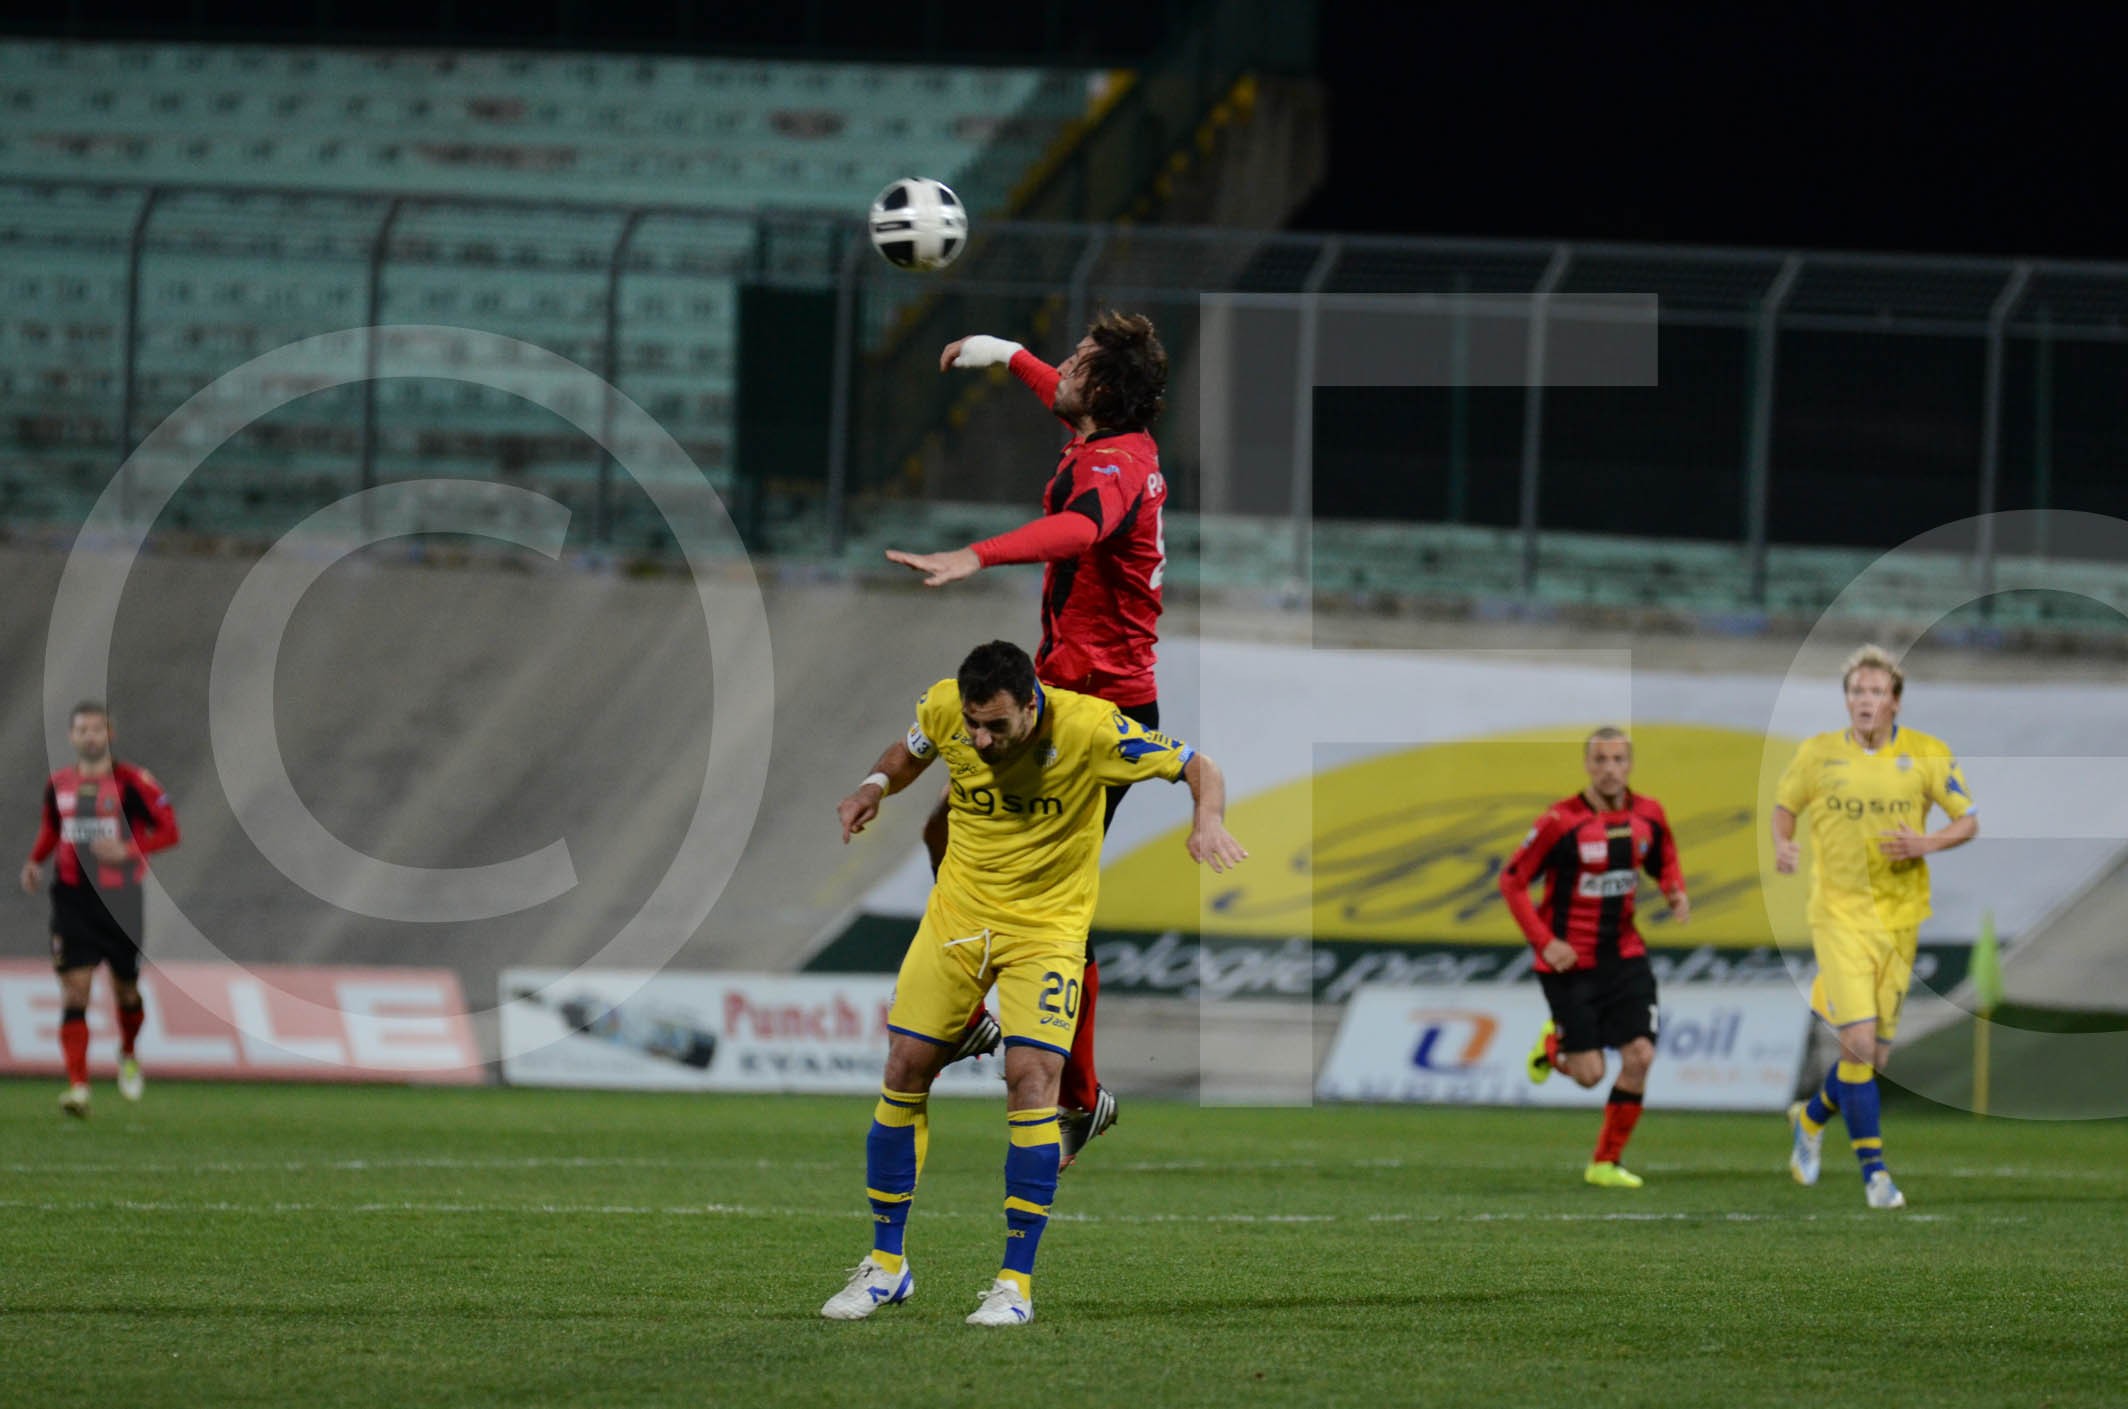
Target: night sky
{"type": "Point", "coordinates": [1813, 127]}
{"type": "Point", "coordinates": [1992, 131]}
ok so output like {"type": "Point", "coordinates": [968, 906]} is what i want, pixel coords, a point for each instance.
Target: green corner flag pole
{"type": "Point", "coordinates": [1987, 996]}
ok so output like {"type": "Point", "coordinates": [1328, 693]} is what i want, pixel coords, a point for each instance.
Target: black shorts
{"type": "Point", "coordinates": [1607, 1006]}
{"type": "Point", "coordinates": [1147, 714]}
{"type": "Point", "coordinates": [91, 927]}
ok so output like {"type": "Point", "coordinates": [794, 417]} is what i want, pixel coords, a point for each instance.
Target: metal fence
{"type": "Point", "coordinates": [1799, 399]}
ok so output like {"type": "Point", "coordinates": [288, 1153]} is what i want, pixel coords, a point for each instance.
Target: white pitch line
{"type": "Point", "coordinates": [745, 1211]}
{"type": "Point", "coordinates": [361, 1166]}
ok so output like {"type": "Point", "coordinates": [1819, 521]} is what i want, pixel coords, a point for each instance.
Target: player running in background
{"type": "Point", "coordinates": [1867, 790]}
{"type": "Point", "coordinates": [1012, 904]}
{"type": "Point", "coordinates": [1591, 849]}
{"type": "Point", "coordinates": [1101, 536]}
{"type": "Point", "coordinates": [102, 818]}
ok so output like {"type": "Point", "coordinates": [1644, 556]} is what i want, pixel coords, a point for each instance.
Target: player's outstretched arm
{"type": "Point", "coordinates": [939, 568]}
{"type": "Point", "coordinates": [1050, 538]}
{"type": "Point", "coordinates": [977, 350]}
{"type": "Point", "coordinates": [895, 770]}
{"type": "Point", "coordinates": [1210, 842]}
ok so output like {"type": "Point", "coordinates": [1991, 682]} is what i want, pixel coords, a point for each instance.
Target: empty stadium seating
{"type": "Point", "coordinates": [304, 149]}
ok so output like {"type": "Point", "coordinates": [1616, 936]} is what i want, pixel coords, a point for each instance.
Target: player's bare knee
{"type": "Point", "coordinates": [126, 994]}
{"type": "Point", "coordinates": [1858, 1043]}
{"type": "Point", "coordinates": [1584, 1069]}
{"type": "Point", "coordinates": [75, 986]}
{"type": "Point", "coordinates": [1635, 1058]}
{"type": "Point", "coordinates": [1032, 1077]}
{"type": "Point", "coordinates": [913, 1064]}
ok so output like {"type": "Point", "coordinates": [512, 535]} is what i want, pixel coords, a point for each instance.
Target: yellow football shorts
{"type": "Point", "coordinates": [952, 963]}
{"type": "Point", "coordinates": [1862, 975]}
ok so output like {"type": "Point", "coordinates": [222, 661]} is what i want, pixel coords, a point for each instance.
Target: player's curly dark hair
{"type": "Point", "coordinates": [1126, 383]}
{"type": "Point", "coordinates": [997, 666]}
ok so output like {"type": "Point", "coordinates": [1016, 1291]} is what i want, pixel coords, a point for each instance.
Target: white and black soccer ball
{"type": "Point", "coordinates": [918, 223]}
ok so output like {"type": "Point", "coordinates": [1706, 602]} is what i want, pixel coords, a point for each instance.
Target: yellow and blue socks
{"type": "Point", "coordinates": [894, 1158]}
{"type": "Point", "coordinates": [1031, 1162]}
{"type": "Point", "coordinates": [1822, 1106]}
{"type": "Point", "coordinates": [1853, 1086]}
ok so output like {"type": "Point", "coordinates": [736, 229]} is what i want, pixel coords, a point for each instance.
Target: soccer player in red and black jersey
{"type": "Point", "coordinates": [1590, 849]}
{"type": "Point", "coordinates": [102, 819]}
{"type": "Point", "coordinates": [1101, 538]}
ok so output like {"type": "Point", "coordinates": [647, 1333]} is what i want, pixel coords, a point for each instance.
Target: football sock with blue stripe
{"type": "Point", "coordinates": [1860, 1107]}
{"type": "Point", "coordinates": [1030, 1188]}
{"type": "Point", "coordinates": [894, 1158]}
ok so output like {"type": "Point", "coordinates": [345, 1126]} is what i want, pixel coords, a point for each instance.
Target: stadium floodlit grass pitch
{"type": "Point", "coordinates": [284, 1245]}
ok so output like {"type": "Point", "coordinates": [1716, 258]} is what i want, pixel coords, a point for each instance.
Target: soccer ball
{"type": "Point", "coordinates": [918, 223]}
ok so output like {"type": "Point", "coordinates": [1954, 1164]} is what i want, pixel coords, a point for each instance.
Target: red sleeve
{"type": "Point", "coordinates": [1662, 862]}
{"type": "Point", "coordinates": [148, 811]}
{"type": "Point", "coordinates": [1040, 377]}
{"type": "Point", "coordinates": [1048, 538]}
{"type": "Point", "coordinates": [1521, 872]}
{"type": "Point", "coordinates": [48, 829]}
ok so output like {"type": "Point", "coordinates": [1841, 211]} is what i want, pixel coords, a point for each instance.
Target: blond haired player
{"type": "Point", "coordinates": [1029, 766]}
{"type": "Point", "coordinates": [1866, 792]}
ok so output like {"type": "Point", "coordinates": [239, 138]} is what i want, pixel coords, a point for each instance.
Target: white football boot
{"type": "Point", "coordinates": [1880, 1192]}
{"type": "Point", "coordinates": [130, 1082]}
{"type": "Point", "coordinates": [1002, 1306]}
{"type": "Point", "coordinates": [1803, 1147]}
{"type": "Point", "coordinates": [871, 1287]}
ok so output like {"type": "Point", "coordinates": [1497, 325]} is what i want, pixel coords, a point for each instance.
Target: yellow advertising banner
{"type": "Point", "coordinates": [1411, 843]}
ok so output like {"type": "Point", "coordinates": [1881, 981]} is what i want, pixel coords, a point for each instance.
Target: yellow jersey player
{"type": "Point", "coordinates": [1866, 792]}
{"type": "Point", "coordinates": [1029, 767]}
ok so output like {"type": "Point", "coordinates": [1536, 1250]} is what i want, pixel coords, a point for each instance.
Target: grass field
{"type": "Point", "coordinates": [235, 1245]}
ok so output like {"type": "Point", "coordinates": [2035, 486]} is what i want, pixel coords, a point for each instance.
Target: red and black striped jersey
{"type": "Point", "coordinates": [1101, 587]}
{"type": "Point", "coordinates": [1591, 862]}
{"type": "Point", "coordinates": [126, 804]}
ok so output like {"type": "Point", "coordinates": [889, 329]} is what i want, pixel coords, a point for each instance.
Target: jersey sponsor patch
{"type": "Point", "coordinates": [1602, 885]}
{"type": "Point", "coordinates": [1594, 852]}
{"type": "Point", "coordinates": [75, 830]}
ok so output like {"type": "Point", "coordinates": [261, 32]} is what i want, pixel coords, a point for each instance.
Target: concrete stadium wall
{"type": "Point", "coordinates": [463, 714]}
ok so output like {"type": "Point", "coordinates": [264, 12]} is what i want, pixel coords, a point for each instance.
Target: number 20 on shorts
{"type": "Point", "coordinates": [1055, 985]}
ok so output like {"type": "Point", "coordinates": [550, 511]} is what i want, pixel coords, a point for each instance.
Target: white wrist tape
{"type": "Point", "coordinates": [983, 350]}
{"type": "Point", "coordinates": [879, 778]}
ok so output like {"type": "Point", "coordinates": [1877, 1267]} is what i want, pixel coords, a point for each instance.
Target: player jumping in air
{"type": "Point", "coordinates": [1101, 536]}
{"type": "Point", "coordinates": [1591, 849]}
{"type": "Point", "coordinates": [102, 818]}
{"type": "Point", "coordinates": [1867, 791]}
{"type": "Point", "coordinates": [1012, 903]}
